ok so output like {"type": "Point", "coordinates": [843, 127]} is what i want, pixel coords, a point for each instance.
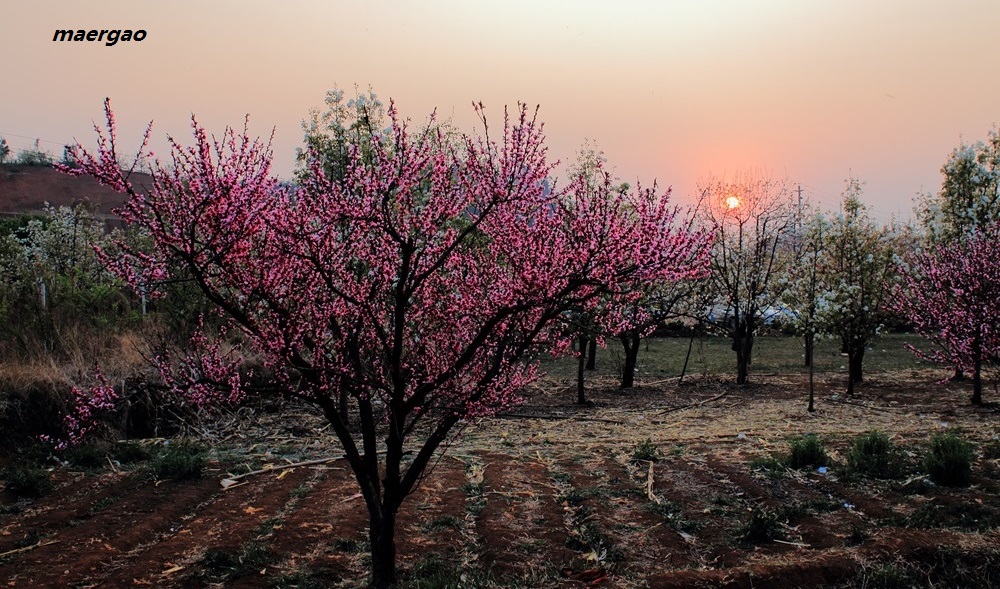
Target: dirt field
{"type": "Point", "coordinates": [550, 496]}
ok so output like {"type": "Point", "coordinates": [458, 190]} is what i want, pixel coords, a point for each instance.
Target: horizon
{"type": "Point", "coordinates": [671, 92]}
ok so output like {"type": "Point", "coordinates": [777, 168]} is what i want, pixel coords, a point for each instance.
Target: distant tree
{"type": "Point", "coordinates": [4, 150]}
{"type": "Point", "coordinates": [632, 308]}
{"type": "Point", "coordinates": [949, 292]}
{"type": "Point", "coordinates": [427, 283]}
{"type": "Point", "coordinates": [34, 156]}
{"type": "Point", "coordinates": [804, 286]}
{"type": "Point", "coordinates": [754, 224]}
{"type": "Point", "coordinates": [969, 199]}
{"type": "Point", "coordinates": [346, 122]}
{"type": "Point", "coordinates": [853, 304]}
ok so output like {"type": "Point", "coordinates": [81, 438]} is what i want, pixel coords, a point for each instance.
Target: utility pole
{"type": "Point", "coordinates": [798, 219]}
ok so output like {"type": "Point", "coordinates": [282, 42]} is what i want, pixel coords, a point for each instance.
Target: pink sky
{"type": "Point", "coordinates": [670, 90]}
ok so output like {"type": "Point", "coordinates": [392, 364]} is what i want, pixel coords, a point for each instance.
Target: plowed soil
{"type": "Point", "coordinates": [552, 495]}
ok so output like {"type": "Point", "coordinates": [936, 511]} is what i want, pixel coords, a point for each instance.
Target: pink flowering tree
{"type": "Point", "coordinates": [426, 282]}
{"type": "Point", "coordinates": [949, 292]}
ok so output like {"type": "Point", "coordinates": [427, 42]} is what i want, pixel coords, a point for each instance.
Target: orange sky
{"type": "Point", "coordinates": [672, 90]}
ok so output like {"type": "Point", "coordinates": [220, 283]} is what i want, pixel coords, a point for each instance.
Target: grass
{"type": "Point", "coordinates": [26, 482]}
{"type": "Point", "coordinates": [874, 455]}
{"type": "Point", "coordinates": [181, 460]}
{"type": "Point", "coordinates": [663, 357]}
{"type": "Point", "coordinates": [807, 451]}
{"type": "Point", "coordinates": [949, 461]}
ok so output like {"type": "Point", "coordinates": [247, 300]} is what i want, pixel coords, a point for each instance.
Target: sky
{"type": "Point", "coordinates": [675, 91]}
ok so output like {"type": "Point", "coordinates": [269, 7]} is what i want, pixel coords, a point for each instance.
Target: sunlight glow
{"type": "Point", "coordinates": [732, 202]}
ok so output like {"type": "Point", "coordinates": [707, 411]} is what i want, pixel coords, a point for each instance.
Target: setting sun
{"type": "Point", "coordinates": [732, 202]}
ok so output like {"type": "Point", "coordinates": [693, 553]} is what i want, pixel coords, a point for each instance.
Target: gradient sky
{"type": "Point", "coordinates": [670, 90]}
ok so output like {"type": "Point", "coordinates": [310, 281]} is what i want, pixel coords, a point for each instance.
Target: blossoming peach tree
{"type": "Point", "coordinates": [426, 282]}
{"type": "Point", "coordinates": [949, 292]}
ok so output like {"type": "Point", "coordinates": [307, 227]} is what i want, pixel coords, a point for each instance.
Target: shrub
{"type": "Point", "coordinates": [949, 462]}
{"type": "Point", "coordinates": [180, 461]}
{"type": "Point", "coordinates": [807, 451]}
{"type": "Point", "coordinates": [27, 482]}
{"type": "Point", "coordinates": [646, 450]}
{"type": "Point", "coordinates": [764, 525]}
{"type": "Point", "coordinates": [873, 454]}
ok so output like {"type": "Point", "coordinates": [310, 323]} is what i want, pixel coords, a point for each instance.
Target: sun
{"type": "Point", "coordinates": [732, 202]}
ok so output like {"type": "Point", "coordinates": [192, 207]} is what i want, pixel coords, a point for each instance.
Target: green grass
{"type": "Point", "coordinates": [664, 357]}
{"type": "Point", "coordinates": [26, 482]}
{"type": "Point", "coordinates": [181, 460]}
{"type": "Point", "coordinates": [949, 461]}
{"type": "Point", "coordinates": [874, 455]}
{"type": "Point", "coordinates": [807, 451]}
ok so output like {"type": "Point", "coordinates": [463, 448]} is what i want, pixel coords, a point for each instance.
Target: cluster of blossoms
{"type": "Point", "coordinates": [86, 409]}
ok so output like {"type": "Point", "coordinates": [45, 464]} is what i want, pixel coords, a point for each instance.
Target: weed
{"type": "Point", "coordinates": [769, 466]}
{"type": "Point", "coordinates": [128, 453]}
{"type": "Point", "coordinates": [90, 456]}
{"type": "Point", "coordinates": [348, 545]}
{"type": "Point", "coordinates": [807, 451]}
{"type": "Point", "coordinates": [180, 461]}
{"type": "Point", "coordinates": [305, 579]}
{"type": "Point", "coordinates": [674, 515]}
{"type": "Point", "coordinates": [301, 491]}
{"type": "Point", "coordinates": [577, 496]}
{"type": "Point", "coordinates": [225, 565]}
{"type": "Point", "coordinates": [949, 462]}
{"type": "Point", "coordinates": [102, 504]}
{"type": "Point", "coordinates": [27, 482]}
{"type": "Point", "coordinates": [764, 525]}
{"type": "Point", "coordinates": [966, 516]}
{"type": "Point", "coordinates": [435, 572]}
{"type": "Point", "coordinates": [267, 526]}
{"type": "Point", "coordinates": [873, 454]}
{"type": "Point", "coordinates": [646, 450]}
{"type": "Point", "coordinates": [443, 522]}
{"type": "Point", "coordinates": [888, 576]}
{"type": "Point", "coordinates": [857, 537]}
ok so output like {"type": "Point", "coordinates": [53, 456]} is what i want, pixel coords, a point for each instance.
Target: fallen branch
{"type": "Point", "coordinates": [799, 544]}
{"type": "Point", "coordinates": [695, 404]}
{"type": "Point", "coordinates": [649, 485]}
{"type": "Point", "coordinates": [233, 480]}
{"type": "Point", "coordinates": [27, 548]}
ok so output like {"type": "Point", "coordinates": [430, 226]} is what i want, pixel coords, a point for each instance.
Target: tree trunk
{"type": "Point", "coordinates": [581, 398]}
{"type": "Point", "coordinates": [977, 383]}
{"type": "Point", "coordinates": [959, 375]}
{"type": "Point", "coordinates": [591, 354]}
{"type": "Point", "coordinates": [856, 358]}
{"type": "Point", "coordinates": [743, 344]}
{"type": "Point", "coordinates": [687, 356]}
{"type": "Point", "coordinates": [343, 406]}
{"type": "Point", "coordinates": [810, 346]}
{"type": "Point", "coordinates": [383, 549]}
{"type": "Point", "coordinates": [631, 344]}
